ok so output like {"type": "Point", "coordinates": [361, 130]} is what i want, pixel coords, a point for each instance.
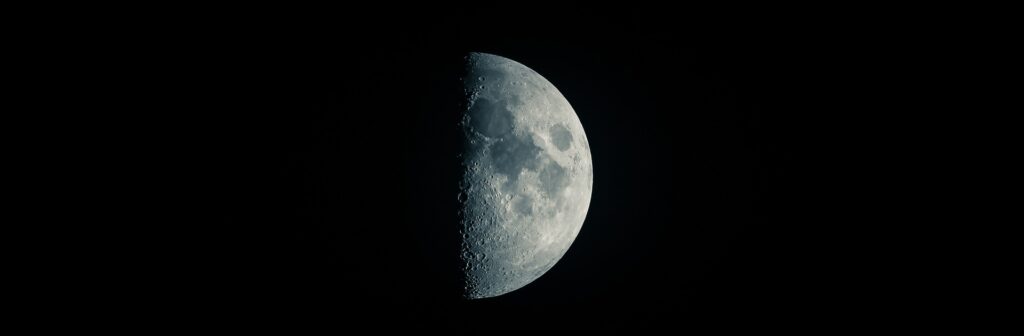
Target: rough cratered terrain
{"type": "Point", "coordinates": [527, 176]}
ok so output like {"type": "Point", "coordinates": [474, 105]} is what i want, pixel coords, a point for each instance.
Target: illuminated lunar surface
{"type": "Point", "coordinates": [527, 176]}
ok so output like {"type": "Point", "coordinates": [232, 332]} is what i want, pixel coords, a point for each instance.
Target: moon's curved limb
{"type": "Point", "coordinates": [527, 179]}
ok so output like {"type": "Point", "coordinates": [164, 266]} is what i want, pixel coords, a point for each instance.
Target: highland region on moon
{"type": "Point", "coordinates": [527, 176]}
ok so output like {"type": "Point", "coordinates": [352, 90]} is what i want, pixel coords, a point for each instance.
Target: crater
{"type": "Point", "coordinates": [489, 75]}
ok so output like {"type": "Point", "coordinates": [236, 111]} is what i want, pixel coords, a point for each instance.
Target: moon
{"type": "Point", "coordinates": [527, 176]}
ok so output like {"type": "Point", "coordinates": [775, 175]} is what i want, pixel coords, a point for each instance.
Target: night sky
{"type": "Point", "coordinates": [318, 152]}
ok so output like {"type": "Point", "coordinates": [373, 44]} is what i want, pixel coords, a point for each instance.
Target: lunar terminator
{"type": "Point", "coordinates": [527, 176]}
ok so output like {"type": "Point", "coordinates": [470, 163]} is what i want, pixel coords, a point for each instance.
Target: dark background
{"type": "Point", "coordinates": [315, 157]}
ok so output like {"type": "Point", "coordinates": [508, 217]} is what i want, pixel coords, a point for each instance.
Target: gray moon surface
{"type": "Point", "coordinates": [527, 176]}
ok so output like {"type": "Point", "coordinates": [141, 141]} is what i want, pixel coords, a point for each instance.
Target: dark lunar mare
{"type": "Point", "coordinates": [519, 217]}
